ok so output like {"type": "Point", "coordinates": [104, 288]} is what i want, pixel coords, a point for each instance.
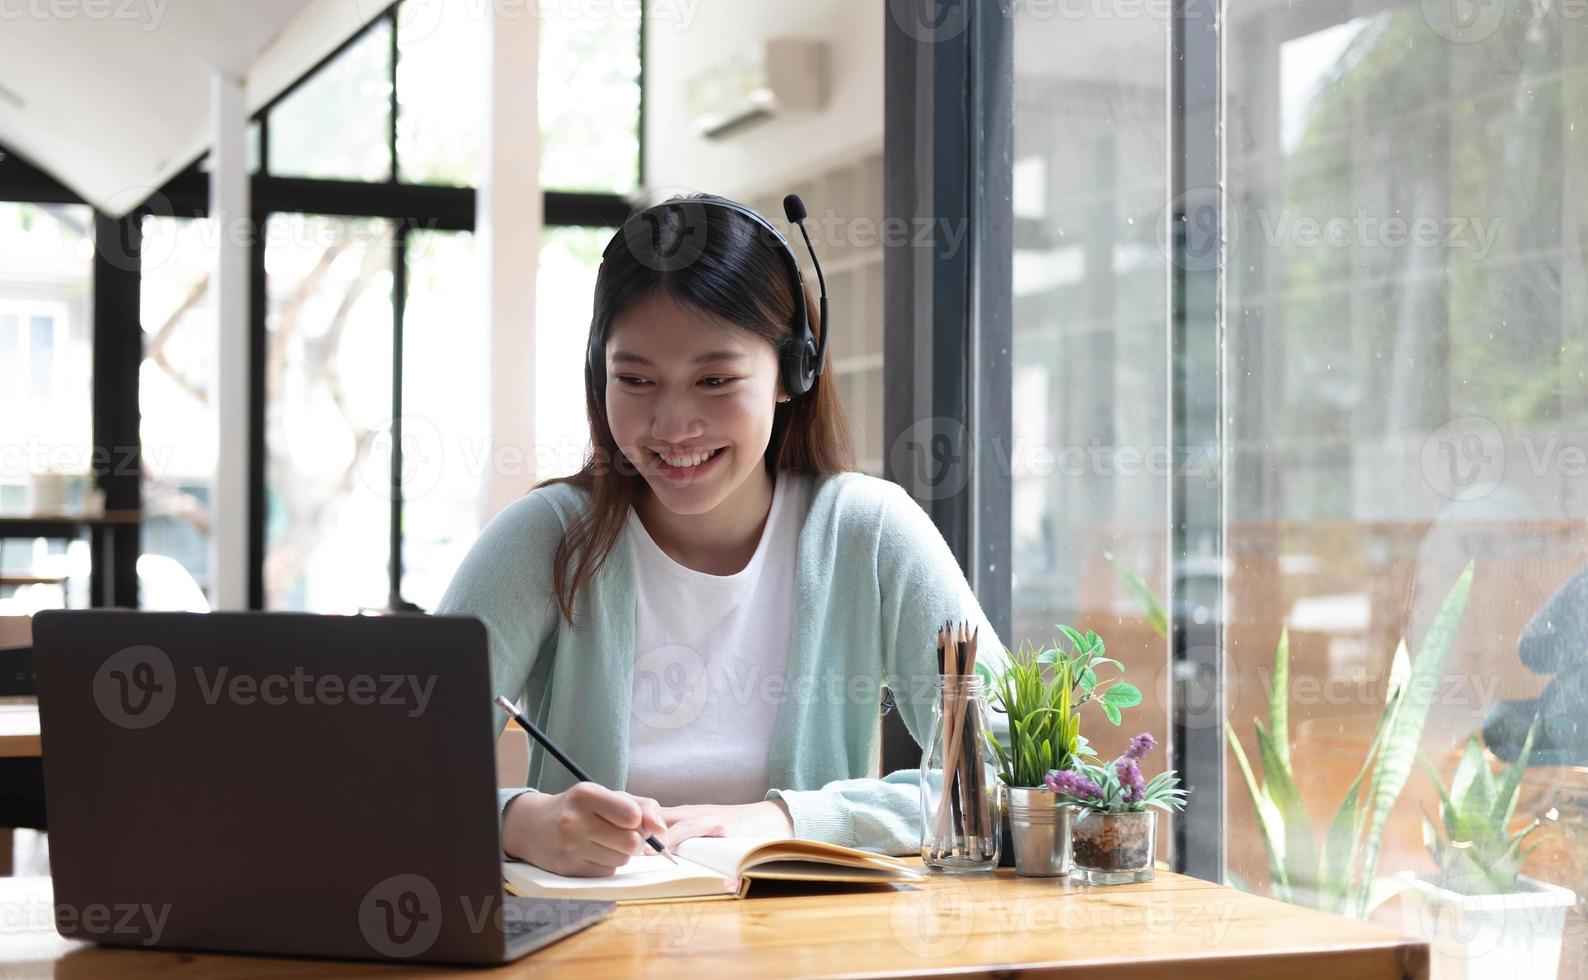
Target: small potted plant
{"type": "Point", "coordinates": [1041, 694]}
{"type": "Point", "coordinates": [1115, 832]}
{"type": "Point", "coordinates": [1480, 915]}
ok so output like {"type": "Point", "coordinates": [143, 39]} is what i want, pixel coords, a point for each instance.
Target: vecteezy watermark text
{"type": "Point", "coordinates": [304, 688]}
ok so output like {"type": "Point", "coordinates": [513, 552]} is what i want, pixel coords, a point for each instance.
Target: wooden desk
{"type": "Point", "coordinates": [1004, 926]}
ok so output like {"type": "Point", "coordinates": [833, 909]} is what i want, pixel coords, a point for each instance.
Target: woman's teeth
{"type": "Point", "coordinates": [684, 462]}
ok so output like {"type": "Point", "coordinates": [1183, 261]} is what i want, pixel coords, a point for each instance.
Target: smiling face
{"type": "Point", "coordinates": [687, 390]}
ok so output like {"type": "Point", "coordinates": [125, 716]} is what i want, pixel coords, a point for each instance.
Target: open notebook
{"type": "Point", "coordinates": [716, 867]}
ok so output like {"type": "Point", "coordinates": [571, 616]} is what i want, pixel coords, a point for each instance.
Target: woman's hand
{"type": "Point", "coordinates": [587, 831]}
{"type": "Point", "coordinates": [768, 818]}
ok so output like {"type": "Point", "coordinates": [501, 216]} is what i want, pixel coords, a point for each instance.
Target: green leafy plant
{"type": "Point", "coordinates": [1041, 692]}
{"type": "Point", "coordinates": [1475, 853]}
{"type": "Point", "coordinates": [1338, 874]}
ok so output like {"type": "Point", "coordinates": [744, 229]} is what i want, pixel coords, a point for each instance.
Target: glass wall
{"type": "Point", "coordinates": [1406, 298]}
{"type": "Point", "coordinates": [1087, 452]}
{"type": "Point", "coordinates": [1404, 467]}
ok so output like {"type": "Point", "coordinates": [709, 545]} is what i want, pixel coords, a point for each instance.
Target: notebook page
{"type": "Point", "coordinates": [644, 876]}
{"type": "Point", "coordinates": [720, 854]}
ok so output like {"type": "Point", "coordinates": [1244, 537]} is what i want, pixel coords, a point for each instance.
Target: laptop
{"type": "Point", "coordinates": [280, 783]}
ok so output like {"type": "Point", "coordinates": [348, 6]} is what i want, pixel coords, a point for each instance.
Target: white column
{"type": "Point", "coordinates": [508, 224]}
{"type": "Point", "coordinates": [229, 207]}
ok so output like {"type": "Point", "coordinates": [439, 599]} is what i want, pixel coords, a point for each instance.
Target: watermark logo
{"type": "Point", "coordinates": [659, 244]}
{"type": "Point", "coordinates": [422, 458]}
{"type": "Point", "coordinates": [1201, 696]}
{"type": "Point", "coordinates": [1464, 21]}
{"type": "Point", "coordinates": [1189, 229]}
{"type": "Point", "coordinates": [135, 687]}
{"type": "Point", "coordinates": [416, 19]}
{"type": "Point", "coordinates": [1464, 459]}
{"type": "Point", "coordinates": [928, 458]}
{"type": "Point", "coordinates": [303, 688]}
{"type": "Point", "coordinates": [120, 921]}
{"type": "Point", "coordinates": [149, 13]}
{"type": "Point", "coordinates": [670, 688]}
{"type": "Point", "coordinates": [931, 21]}
{"type": "Point", "coordinates": [935, 922]}
{"type": "Point", "coordinates": [401, 916]}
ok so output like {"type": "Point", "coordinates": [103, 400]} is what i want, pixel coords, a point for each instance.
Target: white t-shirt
{"type": "Point", "coordinates": [711, 660]}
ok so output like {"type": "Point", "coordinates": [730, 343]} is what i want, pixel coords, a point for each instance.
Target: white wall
{"type": "Point", "coordinates": [685, 37]}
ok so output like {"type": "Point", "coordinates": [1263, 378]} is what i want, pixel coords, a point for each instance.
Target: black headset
{"type": "Point", "coordinates": [799, 362]}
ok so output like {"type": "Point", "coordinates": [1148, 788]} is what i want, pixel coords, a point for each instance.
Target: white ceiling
{"type": "Point", "coordinates": [112, 97]}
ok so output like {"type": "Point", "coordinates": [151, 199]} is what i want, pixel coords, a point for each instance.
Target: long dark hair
{"type": "Point", "coordinates": [724, 265]}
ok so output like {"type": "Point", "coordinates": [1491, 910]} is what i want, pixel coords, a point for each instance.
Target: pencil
{"type": "Point", "coordinates": [569, 764]}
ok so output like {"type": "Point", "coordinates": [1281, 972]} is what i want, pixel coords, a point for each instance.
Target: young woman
{"type": "Point", "coordinates": [704, 615]}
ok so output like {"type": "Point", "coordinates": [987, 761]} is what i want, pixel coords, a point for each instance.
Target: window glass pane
{"type": "Point", "coordinates": [590, 97]}
{"type": "Point", "coordinates": [46, 393]}
{"type": "Point", "coordinates": [440, 91]}
{"type": "Point", "coordinates": [564, 292]}
{"type": "Point", "coordinates": [1406, 292]}
{"type": "Point", "coordinates": [10, 354]}
{"type": "Point", "coordinates": [446, 411]}
{"type": "Point", "coordinates": [328, 399]}
{"type": "Point", "coordinates": [336, 124]}
{"type": "Point", "coordinates": [41, 355]}
{"type": "Point", "coordinates": [1088, 454]}
{"type": "Point", "coordinates": [176, 397]}
{"type": "Point", "coordinates": [46, 353]}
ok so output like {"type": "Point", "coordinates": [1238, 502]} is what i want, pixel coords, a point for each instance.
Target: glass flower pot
{"type": "Point", "coordinates": [1114, 848]}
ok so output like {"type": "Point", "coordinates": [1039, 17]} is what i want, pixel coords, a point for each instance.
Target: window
{"type": "Point", "coordinates": [1405, 281]}
{"type": "Point", "coordinates": [564, 287]}
{"type": "Point", "coordinates": [590, 97]}
{"type": "Point", "coordinates": [10, 354]}
{"type": "Point", "coordinates": [1088, 456]}
{"type": "Point", "coordinates": [327, 397]}
{"type": "Point", "coordinates": [41, 355]}
{"type": "Point", "coordinates": [46, 352]}
{"type": "Point", "coordinates": [176, 396]}
{"type": "Point", "coordinates": [1374, 302]}
{"type": "Point", "coordinates": [346, 294]}
{"type": "Point", "coordinates": [336, 123]}
{"type": "Point", "coordinates": [446, 410]}
{"type": "Point", "coordinates": [441, 68]}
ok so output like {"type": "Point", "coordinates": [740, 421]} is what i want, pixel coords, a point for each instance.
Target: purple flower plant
{"type": "Point", "coordinates": [1140, 746]}
{"type": "Point", "coordinates": [1130, 779]}
{"type": "Point", "coordinates": [1073, 784]}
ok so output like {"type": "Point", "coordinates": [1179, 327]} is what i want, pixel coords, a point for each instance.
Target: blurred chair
{"type": "Point", "coordinates": [164, 584]}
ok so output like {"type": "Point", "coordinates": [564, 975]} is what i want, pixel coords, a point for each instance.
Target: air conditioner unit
{"type": "Point", "coordinates": [786, 74]}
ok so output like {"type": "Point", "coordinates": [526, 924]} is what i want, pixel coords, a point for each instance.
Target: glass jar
{"type": "Point", "coordinates": [1114, 848]}
{"type": "Point", "coordinates": [959, 781]}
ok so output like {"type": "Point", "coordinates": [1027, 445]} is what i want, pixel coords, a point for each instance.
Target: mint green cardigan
{"type": "Point", "coordinates": [874, 579]}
